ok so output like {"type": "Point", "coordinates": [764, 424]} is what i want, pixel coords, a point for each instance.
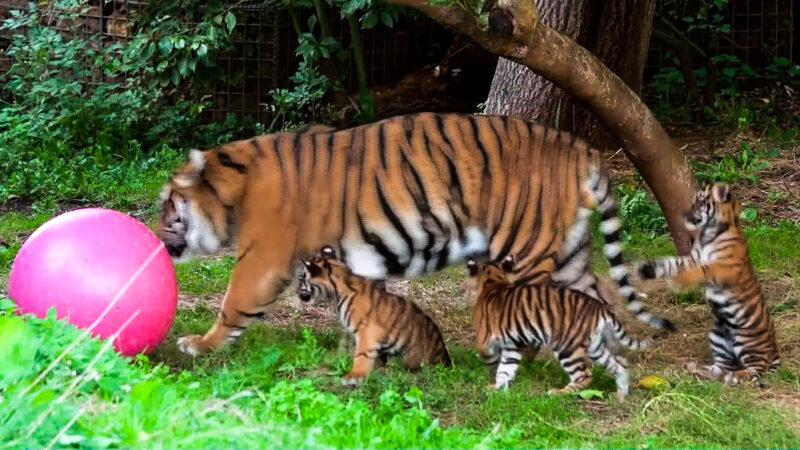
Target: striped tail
{"type": "Point", "coordinates": [612, 323]}
{"type": "Point", "coordinates": [612, 248]}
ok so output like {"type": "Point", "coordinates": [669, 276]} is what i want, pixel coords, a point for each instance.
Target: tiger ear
{"type": "Point", "coordinates": [191, 175]}
{"type": "Point", "coordinates": [721, 193]}
{"type": "Point", "coordinates": [508, 263]}
{"type": "Point", "coordinates": [328, 252]}
{"type": "Point", "coordinates": [472, 267]}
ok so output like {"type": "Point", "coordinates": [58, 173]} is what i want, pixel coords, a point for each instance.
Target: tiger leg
{"type": "Point", "coordinates": [599, 353]}
{"type": "Point", "coordinates": [367, 351]}
{"type": "Point", "coordinates": [574, 362]}
{"type": "Point", "coordinates": [663, 268]}
{"type": "Point", "coordinates": [507, 369]}
{"type": "Point", "coordinates": [254, 285]}
{"type": "Point", "coordinates": [722, 349]}
{"type": "Point", "coordinates": [756, 361]}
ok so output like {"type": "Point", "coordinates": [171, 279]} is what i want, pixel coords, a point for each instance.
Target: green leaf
{"type": "Point", "coordinates": [230, 21]}
{"type": "Point", "coordinates": [176, 77]}
{"type": "Point", "coordinates": [18, 347]}
{"type": "Point", "coordinates": [182, 67]}
{"type": "Point", "coordinates": [749, 214]}
{"type": "Point", "coordinates": [7, 305]}
{"type": "Point", "coordinates": [70, 439]}
{"type": "Point", "coordinates": [587, 394]}
{"type": "Point", "coordinates": [386, 18]}
{"type": "Point", "coordinates": [202, 50]}
{"type": "Point", "coordinates": [165, 45]}
{"type": "Point", "coordinates": [180, 44]}
{"type": "Point", "coordinates": [369, 20]}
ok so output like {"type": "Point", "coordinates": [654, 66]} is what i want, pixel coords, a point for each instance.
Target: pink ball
{"type": "Point", "coordinates": [103, 266]}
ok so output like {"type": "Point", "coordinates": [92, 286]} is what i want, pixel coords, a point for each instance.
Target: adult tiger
{"type": "Point", "coordinates": [399, 197]}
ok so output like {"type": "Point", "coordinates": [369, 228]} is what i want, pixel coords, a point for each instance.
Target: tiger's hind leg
{"type": "Point", "coordinates": [723, 354]}
{"type": "Point", "coordinates": [599, 352]}
{"type": "Point", "coordinates": [721, 342]}
{"type": "Point", "coordinates": [574, 362]}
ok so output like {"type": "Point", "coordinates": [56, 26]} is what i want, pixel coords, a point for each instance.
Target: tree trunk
{"type": "Point", "coordinates": [617, 32]}
{"type": "Point", "coordinates": [515, 32]}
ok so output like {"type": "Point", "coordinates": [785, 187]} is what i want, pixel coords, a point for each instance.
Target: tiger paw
{"type": "Point", "coordinates": [352, 379]}
{"type": "Point", "coordinates": [646, 270]}
{"type": "Point", "coordinates": [737, 377]}
{"type": "Point", "coordinates": [193, 345]}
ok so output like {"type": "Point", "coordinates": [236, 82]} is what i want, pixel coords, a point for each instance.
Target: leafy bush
{"type": "Point", "coordinates": [639, 211]}
{"type": "Point", "coordinates": [76, 109]}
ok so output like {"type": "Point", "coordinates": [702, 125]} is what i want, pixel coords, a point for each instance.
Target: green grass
{"type": "Point", "coordinates": [280, 388]}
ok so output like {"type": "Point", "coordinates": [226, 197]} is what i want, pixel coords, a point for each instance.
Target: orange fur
{"type": "Point", "coordinates": [420, 192]}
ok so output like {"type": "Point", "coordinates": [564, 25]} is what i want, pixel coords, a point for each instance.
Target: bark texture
{"type": "Point", "coordinates": [617, 32]}
{"type": "Point", "coordinates": [515, 32]}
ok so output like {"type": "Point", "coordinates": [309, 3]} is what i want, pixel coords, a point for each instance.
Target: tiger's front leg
{"type": "Point", "coordinates": [658, 269]}
{"type": "Point", "coordinates": [255, 283]}
{"type": "Point", "coordinates": [507, 369]}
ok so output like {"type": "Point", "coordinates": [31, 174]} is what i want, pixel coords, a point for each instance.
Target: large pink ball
{"type": "Point", "coordinates": [103, 266]}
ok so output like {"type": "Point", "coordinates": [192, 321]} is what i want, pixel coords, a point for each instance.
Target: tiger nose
{"type": "Point", "coordinates": [304, 295]}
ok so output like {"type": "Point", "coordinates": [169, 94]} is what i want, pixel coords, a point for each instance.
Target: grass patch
{"type": "Point", "coordinates": [280, 388]}
{"type": "Point", "coordinates": [206, 275]}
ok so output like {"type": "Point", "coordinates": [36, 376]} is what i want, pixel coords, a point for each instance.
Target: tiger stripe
{"type": "Point", "coordinates": [400, 197]}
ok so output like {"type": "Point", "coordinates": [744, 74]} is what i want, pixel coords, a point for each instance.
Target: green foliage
{"type": "Point", "coordinates": [305, 101]}
{"type": "Point", "coordinates": [734, 101]}
{"type": "Point", "coordinates": [731, 168]}
{"type": "Point", "coordinates": [63, 389]}
{"type": "Point", "coordinates": [639, 211]}
{"type": "Point", "coordinates": [76, 111]}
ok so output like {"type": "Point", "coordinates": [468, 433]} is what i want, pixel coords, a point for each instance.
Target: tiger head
{"type": "Point", "coordinates": [198, 206]}
{"type": "Point", "coordinates": [322, 276]}
{"type": "Point", "coordinates": [491, 273]}
{"type": "Point", "coordinates": [713, 207]}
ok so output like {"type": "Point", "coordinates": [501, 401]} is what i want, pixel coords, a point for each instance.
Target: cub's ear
{"type": "Point", "coordinates": [508, 263]}
{"type": "Point", "coordinates": [328, 252]}
{"type": "Point", "coordinates": [313, 269]}
{"type": "Point", "coordinates": [721, 192]}
{"type": "Point", "coordinates": [472, 267]}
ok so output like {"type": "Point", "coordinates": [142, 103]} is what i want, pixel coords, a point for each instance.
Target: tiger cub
{"type": "Point", "coordinates": [383, 324]}
{"type": "Point", "coordinates": [743, 337]}
{"type": "Point", "coordinates": [510, 317]}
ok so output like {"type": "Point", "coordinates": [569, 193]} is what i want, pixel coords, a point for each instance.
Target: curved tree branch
{"type": "Point", "coordinates": [516, 33]}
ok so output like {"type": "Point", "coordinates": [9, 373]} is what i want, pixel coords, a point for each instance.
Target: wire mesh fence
{"type": "Point", "coordinates": [262, 56]}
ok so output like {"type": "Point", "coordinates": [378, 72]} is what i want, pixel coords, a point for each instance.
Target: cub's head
{"type": "Point", "coordinates": [322, 276]}
{"type": "Point", "coordinates": [486, 274]}
{"type": "Point", "coordinates": [713, 207]}
{"type": "Point", "coordinates": [200, 202]}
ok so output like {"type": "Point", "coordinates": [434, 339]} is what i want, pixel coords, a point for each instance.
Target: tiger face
{"type": "Point", "coordinates": [193, 219]}
{"type": "Point", "coordinates": [490, 272]}
{"type": "Point", "coordinates": [316, 278]}
{"type": "Point", "coordinates": [713, 206]}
